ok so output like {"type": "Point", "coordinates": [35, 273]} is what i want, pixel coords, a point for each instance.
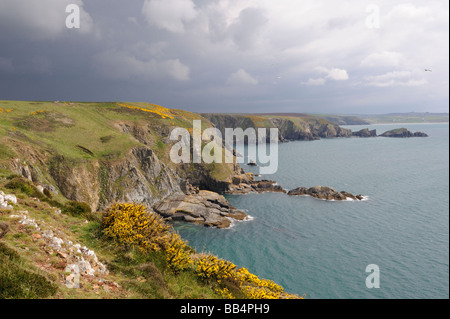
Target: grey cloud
{"type": "Point", "coordinates": [230, 55]}
{"type": "Point", "coordinates": [245, 31]}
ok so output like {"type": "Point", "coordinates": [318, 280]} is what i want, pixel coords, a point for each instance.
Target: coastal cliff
{"type": "Point", "coordinates": [290, 128]}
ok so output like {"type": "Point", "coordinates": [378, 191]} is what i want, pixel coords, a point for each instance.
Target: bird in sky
{"type": "Point", "coordinates": [428, 70]}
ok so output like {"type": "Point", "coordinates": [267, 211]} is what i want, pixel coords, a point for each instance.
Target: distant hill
{"type": "Point", "coordinates": [334, 119]}
{"type": "Point", "coordinates": [411, 117]}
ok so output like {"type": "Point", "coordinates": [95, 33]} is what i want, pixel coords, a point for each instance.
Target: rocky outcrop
{"type": "Point", "coordinates": [324, 192]}
{"type": "Point", "coordinates": [203, 207]}
{"type": "Point", "coordinates": [365, 132]}
{"type": "Point", "coordinates": [245, 183]}
{"type": "Point", "coordinates": [403, 132]}
{"type": "Point", "coordinates": [79, 261]}
{"type": "Point", "coordinates": [7, 200]}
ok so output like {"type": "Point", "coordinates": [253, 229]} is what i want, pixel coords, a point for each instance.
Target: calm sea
{"type": "Point", "coordinates": [322, 248]}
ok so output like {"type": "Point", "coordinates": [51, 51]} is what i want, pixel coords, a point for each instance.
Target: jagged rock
{"type": "Point", "coordinates": [206, 208]}
{"type": "Point", "coordinates": [365, 132]}
{"type": "Point", "coordinates": [403, 132]}
{"type": "Point", "coordinates": [324, 192]}
{"type": "Point", "coordinates": [245, 183]}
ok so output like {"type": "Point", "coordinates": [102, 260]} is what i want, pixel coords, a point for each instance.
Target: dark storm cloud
{"type": "Point", "coordinates": [229, 55]}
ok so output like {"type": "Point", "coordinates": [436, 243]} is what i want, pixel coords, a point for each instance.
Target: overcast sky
{"type": "Point", "coordinates": [317, 56]}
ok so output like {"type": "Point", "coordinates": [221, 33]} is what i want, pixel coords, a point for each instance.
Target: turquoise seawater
{"type": "Point", "coordinates": [322, 248]}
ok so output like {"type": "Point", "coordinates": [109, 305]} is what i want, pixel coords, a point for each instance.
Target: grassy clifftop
{"type": "Point", "coordinates": [87, 130]}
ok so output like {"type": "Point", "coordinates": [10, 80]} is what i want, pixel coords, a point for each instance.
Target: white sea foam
{"type": "Point", "coordinates": [235, 221]}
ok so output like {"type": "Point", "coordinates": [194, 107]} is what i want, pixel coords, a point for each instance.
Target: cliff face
{"type": "Point", "coordinates": [289, 128]}
{"type": "Point", "coordinates": [138, 177]}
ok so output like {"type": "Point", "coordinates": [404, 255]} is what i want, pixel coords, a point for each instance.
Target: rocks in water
{"type": "Point", "coordinates": [403, 132]}
{"type": "Point", "coordinates": [324, 192]}
{"type": "Point", "coordinates": [365, 132]}
{"type": "Point", "coordinates": [245, 183]}
{"type": "Point", "coordinates": [205, 208]}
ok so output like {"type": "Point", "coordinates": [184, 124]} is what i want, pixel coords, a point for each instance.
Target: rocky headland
{"type": "Point", "coordinates": [290, 128]}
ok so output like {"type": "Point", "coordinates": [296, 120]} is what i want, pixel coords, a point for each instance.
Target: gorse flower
{"type": "Point", "coordinates": [209, 266]}
{"type": "Point", "coordinates": [157, 109]}
{"type": "Point", "coordinates": [133, 225]}
{"type": "Point", "coordinates": [5, 110]}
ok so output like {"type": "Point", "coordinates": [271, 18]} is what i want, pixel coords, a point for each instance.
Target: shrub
{"type": "Point", "coordinates": [209, 266]}
{"type": "Point", "coordinates": [48, 193]}
{"type": "Point", "coordinates": [24, 186]}
{"type": "Point", "coordinates": [75, 208]}
{"type": "Point", "coordinates": [134, 226]}
{"type": "Point", "coordinates": [178, 254]}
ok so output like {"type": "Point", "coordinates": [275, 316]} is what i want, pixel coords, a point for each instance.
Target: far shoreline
{"type": "Point", "coordinates": [411, 123]}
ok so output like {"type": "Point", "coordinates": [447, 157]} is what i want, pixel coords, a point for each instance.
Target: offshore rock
{"type": "Point", "coordinates": [365, 132]}
{"type": "Point", "coordinates": [245, 183]}
{"type": "Point", "coordinates": [403, 132]}
{"type": "Point", "coordinates": [324, 192]}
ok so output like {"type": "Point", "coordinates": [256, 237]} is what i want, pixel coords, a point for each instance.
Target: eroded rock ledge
{"type": "Point", "coordinates": [325, 192]}
{"type": "Point", "coordinates": [203, 207]}
{"type": "Point", "coordinates": [245, 183]}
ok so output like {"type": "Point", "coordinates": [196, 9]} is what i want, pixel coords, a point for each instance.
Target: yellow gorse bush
{"type": "Point", "coordinates": [37, 112]}
{"type": "Point", "coordinates": [224, 292]}
{"type": "Point", "coordinates": [178, 254]}
{"type": "Point", "coordinates": [157, 109]}
{"type": "Point", "coordinates": [209, 266]}
{"type": "Point", "coordinates": [133, 225]}
{"type": "Point", "coordinates": [5, 110]}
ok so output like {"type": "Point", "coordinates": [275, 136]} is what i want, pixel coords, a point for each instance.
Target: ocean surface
{"type": "Point", "coordinates": [322, 248]}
